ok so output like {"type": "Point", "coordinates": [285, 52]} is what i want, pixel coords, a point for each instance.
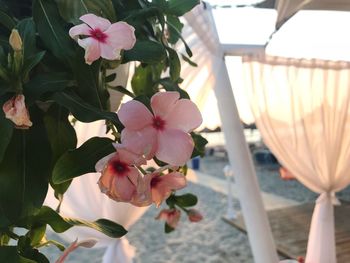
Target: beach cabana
{"type": "Point", "coordinates": [212, 77]}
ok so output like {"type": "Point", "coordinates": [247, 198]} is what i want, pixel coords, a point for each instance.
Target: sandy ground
{"type": "Point", "coordinates": [210, 241]}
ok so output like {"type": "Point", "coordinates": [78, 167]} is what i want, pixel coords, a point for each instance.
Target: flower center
{"type": "Point", "coordinates": [155, 181]}
{"type": "Point", "coordinates": [98, 35]}
{"type": "Point", "coordinates": [119, 168]}
{"type": "Point", "coordinates": [158, 123]}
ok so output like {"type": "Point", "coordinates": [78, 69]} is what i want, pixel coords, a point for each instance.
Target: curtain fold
{"type": "Point", "coordinates": [301, 108]}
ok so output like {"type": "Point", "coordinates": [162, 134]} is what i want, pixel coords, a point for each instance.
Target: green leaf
{"type": "Point", "coordinates": [31, 62]}
{"type": "Point", "coordinates": [60, 224]}
{"type": "Point", "coordinates": [139, 17]}
{"type": "Point", "coordinates": [6, 130]}
{"type": "Point", "coordinates": [25, 170]}
{"type": "Point", "coordinates": [186, 200]}
{"type": "Point", "coordinates": [62, 138]}
{"type": "Point", "coordinates": [9, 254]}
{"type": "Point", "coordinates": [81, 160]}
{"type": "Point", "coordinates": [26, 29]}
{"type": "Point", "coordinates": [42, 84]}
{"type": "Point", "coordinates": [51, 30]}
{"type": "Point", "coordinates": [145, 51]}
{"type": "Point", "coordinates": [168, 229]}
{"type": "Point", "coordinates": [83, 111]}
{"type": "Point", "coordinates": [174, 64]}
{"type": "Point", "coordinates": [175, 31]}
{"type": "Point", "coordinates": [87, 76]}
{"type": "Point", "coordinates": [189, 61]}
{"type": "Point", "coordinates": [199, 145]}
{"type": "Point", "coordinates": [174, 34]}
{"type": "Point", "coordinates": [6, 20]}
{"type": "Point", "coordinates": [72, 10]}
{"type": "Point", "coordinates": [170, 85]}
{"type": "Point", "coordinates": [181, 7]}
{"type": "Point", "coordinates": [122, 90]}
{"type": "Point", "coordinates": [142, 81]}
{"type": "Point", "coordinates": [36, 234]}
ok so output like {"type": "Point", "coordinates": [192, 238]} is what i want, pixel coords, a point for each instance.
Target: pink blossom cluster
{"type": "Point", "coordinates": [161, 132]}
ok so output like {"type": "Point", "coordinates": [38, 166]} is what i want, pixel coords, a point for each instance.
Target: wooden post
{"type": "Point", "coordinates": [255, 217]}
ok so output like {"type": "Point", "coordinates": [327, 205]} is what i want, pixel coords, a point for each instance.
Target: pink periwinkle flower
{"type": "Point", "coordinates": [88, 243]}
{"type": "Point", "coordinates": [103, 39]}
{"type": "Point", "coordinates": [160, 187]}
{"type": "Point", "coordinates": [15, 110]}
{"type": "Point", "coordinates": [119, 179]}
{"type": "Point", "coordinates": [171, 216]}
{"type": "Point", "coordinates": [163, 133]}
{"type": "Point", "coordinates": [194, 215]}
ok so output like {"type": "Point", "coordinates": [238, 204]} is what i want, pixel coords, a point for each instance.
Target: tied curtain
{"type": "Point", "coordinates": [302, 109]}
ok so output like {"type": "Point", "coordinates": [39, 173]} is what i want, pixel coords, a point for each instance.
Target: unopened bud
{"type": "Point", "coordinates": [15, 40]}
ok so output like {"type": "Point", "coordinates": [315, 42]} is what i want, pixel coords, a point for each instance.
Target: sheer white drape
{"type": "Point", "coordinates": [302, 109]}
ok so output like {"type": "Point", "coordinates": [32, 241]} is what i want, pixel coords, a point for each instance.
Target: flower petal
{"type": "Point", "coordinates": [101, 164]}
{"type": "Point", "coordinates": [122, 189]}
{"type": "Point", "coordinates": [109, 52]}
{"type": "Point", "coordinates": [128, 157]}
{"type": "Point", "coordinates": [92, 49]}
{"type": "Point", "coordinates": [95, 21]}
{"type": "Point", "coordinates": [82, 29]}
{"type": "Point", "coordinates": [163, 102]}
{"type": "Point", "coordinates": [175, 147]}
{"type": "Point", "coordinates": [121, 36]}
{"type": "Point", "coordinates": [165, 184]}
{"type": "Point", "coordinates": [134, 115]}
{"type": "Point", "coordinates": [143, 192]}
{"type": "Point", "coordinates": [184, 116]}
{"type": "Point", "coordinates": [143, 142]}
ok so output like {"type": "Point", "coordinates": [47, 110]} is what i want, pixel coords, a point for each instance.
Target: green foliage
{"type": "Point", "coordinates": [186, 200]}
{"type": "Point", "coordinates": [51, 72]}
{"type": "Point", "coordinates": [60, 224]}
{"type": "Point", "coordinates": [199, 145]}
{"type": "Point", "coordinates": [23, 175]}
{"type": "Point", "coordinates": [51, 30]}
{"type": "Point", "coordinates": [82, 160]}
{"type": "Point", "coordinates": [72, 10]}
{"type": "Point", "coordinates": [145, 51]}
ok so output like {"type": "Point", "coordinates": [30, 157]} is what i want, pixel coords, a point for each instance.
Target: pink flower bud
{"type": "Point", "coordinates": [16, 111]}
{"type": "Point", "coordinates": [88, 243]}
{"type": "Point", "coordinates": [194, 215]}
{"type": "Point", "coordinates": [171, 216]}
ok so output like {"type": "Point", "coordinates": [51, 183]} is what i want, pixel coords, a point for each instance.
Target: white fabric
{"type": "Point", "coordinates": [302, 109]}
{"type": "Point", "coordinates": [287, 8]}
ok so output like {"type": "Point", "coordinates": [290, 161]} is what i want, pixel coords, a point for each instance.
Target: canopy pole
{"type": "Point", "coordinates": [255, 217]}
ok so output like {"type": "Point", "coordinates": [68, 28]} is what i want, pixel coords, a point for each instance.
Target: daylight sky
{"type": "Point", "coordinates": [309, 34]}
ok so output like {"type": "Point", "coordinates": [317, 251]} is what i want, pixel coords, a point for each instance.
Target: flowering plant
{"type": "Point", "coordinates": [54, 59]}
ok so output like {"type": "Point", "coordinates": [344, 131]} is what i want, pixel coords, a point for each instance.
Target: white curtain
{"type": "Point", "coordinates": [302, 109]}
{"type": "Point", "coordinates": [287, 8]}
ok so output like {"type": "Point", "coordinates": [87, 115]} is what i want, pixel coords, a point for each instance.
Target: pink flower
{"type": "Point", "coordinates": [89, 243]}
{"type": "Point", "coordinates": [194, 215]}
{"type": "Point", "coordinates": [171, 216]}
{"type": "Point", "coordinates": [103, 39]}
{"type": "Point", "coordinates": [161, 186]}
{"type": "Point", "coordinates": [119, 179]}
{"type": "Point", "coordinates": [163, 133]}
{"type": "Point", "coordinates": [16, 111]}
